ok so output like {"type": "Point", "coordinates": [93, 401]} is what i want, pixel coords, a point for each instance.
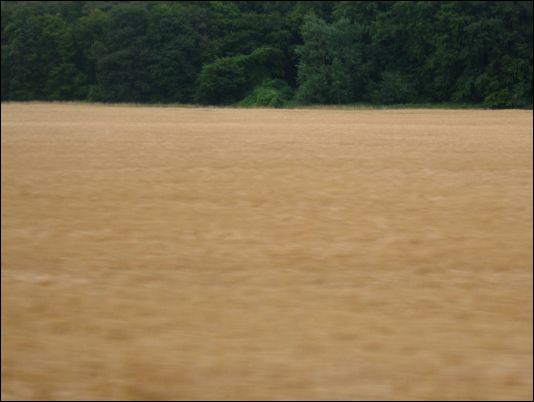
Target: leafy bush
{"type": "Point", "coordinates": [270, 93]}
{"type": "Point", "coordinates": [228, 79]}
{"type": "Point", "coordinates": [505, 98]}
{"type": "Point", "coordinates": [221, 82]}
{"type": "Point", "coordinates": [393, 88]}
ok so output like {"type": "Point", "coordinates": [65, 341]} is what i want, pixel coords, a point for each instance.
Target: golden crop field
{"type": "Point", "coordinates": [204, 253]}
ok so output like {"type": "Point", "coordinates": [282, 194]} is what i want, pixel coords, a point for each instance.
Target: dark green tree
{"type": "Point", "coordinates": [121, 73]}
{"type": "Point", "coordinates": [174, 53]}
{"type": "Point", "coordinates": [331, 68]}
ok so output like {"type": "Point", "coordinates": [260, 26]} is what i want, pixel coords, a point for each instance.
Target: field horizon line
{"type": "Point", "coordinates": [429, 106]}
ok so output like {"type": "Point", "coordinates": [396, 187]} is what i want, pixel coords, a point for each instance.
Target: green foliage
{"type": "Point", "coordinates": [331, 69]}
{"type": "Point", "coordinates": [228, 79]}
{"type": "Point", "coordinates": [393, 88]}
{"type": "Point", "coordinates": [121, 73]}
{"type": "Point", "coordinates": [173, 58]}
{"type": "Point", "coordinates": [224, 52]}
{"type": "Point", "coordinates": [222, 82]}
{"type": "Point", "coordinates": [270, 93]}
{"type": "Point", "coordinates": [121, 77]}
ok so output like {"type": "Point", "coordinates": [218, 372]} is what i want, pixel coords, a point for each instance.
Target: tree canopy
{"type": "Point", "coordinates": [269, 53]}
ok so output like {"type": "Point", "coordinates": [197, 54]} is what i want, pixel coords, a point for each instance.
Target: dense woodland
{"type": "Point", "coordinates": [269, 53]}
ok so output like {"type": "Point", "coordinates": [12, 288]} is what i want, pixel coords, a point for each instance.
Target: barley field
{"type": "Point", "coordinates": [303, 254]}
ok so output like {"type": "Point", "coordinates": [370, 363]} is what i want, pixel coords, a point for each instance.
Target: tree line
{"type": "Point", "coordinates": [269, 53]}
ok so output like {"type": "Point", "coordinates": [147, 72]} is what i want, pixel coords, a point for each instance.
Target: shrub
{"type": "Point", "coordinates": [393, 88]}
{"type": "Point", "coordinates": [270, 93]}
{"type": "Point", "coordinates": [228, 79]}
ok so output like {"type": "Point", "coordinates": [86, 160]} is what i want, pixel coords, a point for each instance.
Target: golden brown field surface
{"type": "Point", "coordinates": [195, 254]}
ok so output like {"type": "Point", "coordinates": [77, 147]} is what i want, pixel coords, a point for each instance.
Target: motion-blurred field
{"type": "Point", "coordinates": [181, 253]}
